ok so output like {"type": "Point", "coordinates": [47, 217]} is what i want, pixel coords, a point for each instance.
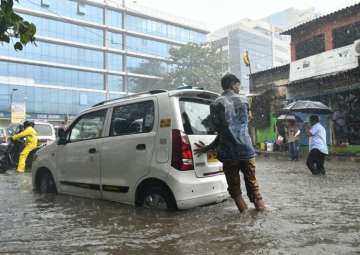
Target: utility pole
{"type": "Point", "coordinates": [11, 103]}
{"type": "Point", "coordinates": [272, 46]}
{"type": "Point", "coordinates": [12, 97]}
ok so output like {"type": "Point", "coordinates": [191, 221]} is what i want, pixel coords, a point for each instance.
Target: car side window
{"type": "Point", "coordinates": [89, 126]}
{"type": "Point", "coordinates": [133, 118]}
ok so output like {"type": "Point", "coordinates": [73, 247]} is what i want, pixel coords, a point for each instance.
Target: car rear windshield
{"type": "Point", "coordinates": [43, 130]}
{"type": "Point", "coordinates": [195, 115]}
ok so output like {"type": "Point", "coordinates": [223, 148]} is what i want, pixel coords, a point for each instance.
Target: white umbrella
{"type": "Point", "coordinates": [286, 117]}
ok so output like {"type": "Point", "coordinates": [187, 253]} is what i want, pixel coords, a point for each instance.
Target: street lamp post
{"type": "Point", "coordinates": [12, 97]}
{"type": "Point", "coordinates": [11, 101]}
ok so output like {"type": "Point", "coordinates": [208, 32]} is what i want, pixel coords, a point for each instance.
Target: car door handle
{"type": "Point", "coordinates": [92, 150]}
{"type": "Point", "coordinates": [141, 147]}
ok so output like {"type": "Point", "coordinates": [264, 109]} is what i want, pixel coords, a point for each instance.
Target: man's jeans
{"type": "Point", "coordinates": [247, 167]}
{"type": "Point", "coordinates": [294, 150]}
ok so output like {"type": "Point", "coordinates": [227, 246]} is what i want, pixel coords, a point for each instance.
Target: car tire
{"type": "Point", "coordinates": [158, 198]}
{"type": "Point", "coordinates": [46, 183]}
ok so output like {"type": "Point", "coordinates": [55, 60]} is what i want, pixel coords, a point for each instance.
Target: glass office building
{"type": "Point", "coordinates": [86, 51]}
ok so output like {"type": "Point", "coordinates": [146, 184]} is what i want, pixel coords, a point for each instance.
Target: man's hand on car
{"type": "Point", "coordinates": [201, 148]}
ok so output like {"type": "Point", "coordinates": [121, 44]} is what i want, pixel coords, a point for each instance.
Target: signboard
{"type": "Point", "coordinates": [331, 61]}
{"type": "Point", "coordinates": [18, 113]}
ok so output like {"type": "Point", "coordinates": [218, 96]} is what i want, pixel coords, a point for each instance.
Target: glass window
{"type": "Point", "coordinates": [115, 83]}
{"type": "Point", "coordinates": [81, 8]}
{"type": "Point", "coordinates": [133, 119]}
{"type": "Point", "coordinates": [146, 66]}
{"type": "Point", "coordinates": [310, 47]}
{"type": "Point", "coordinates": [83, 99]}
{"type": "Point", "coordinates": [66, 31]}
{"type": "Point", "coordinates": [114, 62]}
{"type": "Point", "coordinates": [146, 46]}
{"type": "Point", "coordinates": [195, 115]}
{"type": "Point", "coordinates": [52, 76]}
{"type": "Point", "coordinates": [346, 35]}
{"type": "Point", "coordinates": [114, 40]}
{"type": "Point", "coordinates": [75, 9]}
{"type": "Point", "coordinates": [89, 126]}
{"type": "Point", "coordinates": [62, 54]}
{"type": "Point", "coordinates": [114, 18]}
{"type": "Point", "coordinates": [161, 29]}
{"type": "Point", "coordinates": [49, 100]}
{"type": "Point", "coordinates": [45, 3]}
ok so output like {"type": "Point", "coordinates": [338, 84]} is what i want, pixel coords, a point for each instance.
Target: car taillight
{"type": "Point", "coordinates": [182, 158]}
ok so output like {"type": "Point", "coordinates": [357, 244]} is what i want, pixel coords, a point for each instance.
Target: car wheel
{"type": "Point", "coordinates": [158, 198]}
{"type": "Point", "coordinates": [46, 183]}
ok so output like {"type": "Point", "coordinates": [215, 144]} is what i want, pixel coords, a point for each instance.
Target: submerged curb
{"type": "Point", "coordinates": [303, 155]}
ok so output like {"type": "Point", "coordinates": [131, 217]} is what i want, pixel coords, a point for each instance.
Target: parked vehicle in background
{"type": "Point", "coordinates": [46, 132]}
{"type": "Point", "coordinates": [10, 151]}
{"type": "Point", "coordinates": [3, 135]}
{"type": "Point", "coordinates": [137, 150]}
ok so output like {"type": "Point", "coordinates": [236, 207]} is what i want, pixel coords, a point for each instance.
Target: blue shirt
{"type": "Point", "coordinates": [229, 114]}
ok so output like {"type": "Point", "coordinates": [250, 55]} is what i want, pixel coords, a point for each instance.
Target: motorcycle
{"type": "Point", "coordinates": [10, 153]}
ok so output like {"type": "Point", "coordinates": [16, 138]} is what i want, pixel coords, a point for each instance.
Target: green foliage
{"type": "Point", "coordinates": [151, 67]}
{"type": "Point", "coordinates": [13, 26]}
{"type": "Point", "coordinates": [197, 65]}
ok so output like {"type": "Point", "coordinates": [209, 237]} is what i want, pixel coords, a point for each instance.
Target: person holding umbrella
{"type": "Point", "coordinates": [317, 146]}
{"type": "Point", "coordinates": [316, 132]}
{"type": "Point", "coordinates": [293, 133]}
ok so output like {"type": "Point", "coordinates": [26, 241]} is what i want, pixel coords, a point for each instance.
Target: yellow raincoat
{"type": "Point", "coordinates": [30, 144]}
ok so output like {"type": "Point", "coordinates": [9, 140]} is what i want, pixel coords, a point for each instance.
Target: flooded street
{"type": "Point", "coordinates": [307, 215]}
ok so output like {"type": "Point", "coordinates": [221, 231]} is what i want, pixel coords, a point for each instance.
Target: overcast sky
{"type": "Point", "coordinates": [217, 13]}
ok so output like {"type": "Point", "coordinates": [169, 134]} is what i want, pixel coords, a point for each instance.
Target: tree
{"type": "Point", "coordinates": [150, 67]}
{"type": "Point", "coordinates": [197, 65]}
{"type": "Point", "coordinates": [14, 26]}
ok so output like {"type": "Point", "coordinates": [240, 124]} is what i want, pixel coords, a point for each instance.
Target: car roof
{"type": "Point", "coordinates": [205, 94]}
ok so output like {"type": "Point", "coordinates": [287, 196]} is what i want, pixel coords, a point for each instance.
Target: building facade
{"type": "Point", "coordinates": [85, 52]}
{"type": "Point", "coordinates": [268, 93]}
{"type": "Point", "coordinates": [265, 46]}
{"type": "Point", "coordinates": [291, 17]}
{"type": "Point", "coordinates": [325, 67]}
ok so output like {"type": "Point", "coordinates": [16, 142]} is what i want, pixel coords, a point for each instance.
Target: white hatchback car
{"type": "Point", "coordinates": [137, 150]}
{"type": "Point", "coordinates": [46, 132]}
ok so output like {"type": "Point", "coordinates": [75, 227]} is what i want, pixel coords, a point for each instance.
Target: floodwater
{"type": "Point", "coordinates": [307, 215]}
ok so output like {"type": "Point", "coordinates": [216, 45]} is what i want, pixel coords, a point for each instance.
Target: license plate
{"type": "Point", "coordinates": [212, 156]}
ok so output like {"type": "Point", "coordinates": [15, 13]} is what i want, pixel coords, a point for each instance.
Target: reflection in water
{"type": "Point", "coordinates": [308, 215]}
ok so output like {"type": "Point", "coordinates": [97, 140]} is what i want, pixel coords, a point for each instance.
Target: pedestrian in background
{"type": "Point", "coordinates": [317, 146]}
{"type": "Point", "coordinates": [293, 133]}
{"type": "Point", "coordinates": [229, 115]}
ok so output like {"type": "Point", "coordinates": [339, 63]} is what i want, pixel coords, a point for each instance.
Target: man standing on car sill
{"type": "Point", "coordinates": [229, 115]}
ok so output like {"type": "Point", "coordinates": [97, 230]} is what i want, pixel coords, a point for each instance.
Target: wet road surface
{"type": "Point", "coordinates": [307, 215]}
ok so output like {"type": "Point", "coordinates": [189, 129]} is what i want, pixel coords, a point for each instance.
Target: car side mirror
{"type": "Point", "coordinates": [62, 136]}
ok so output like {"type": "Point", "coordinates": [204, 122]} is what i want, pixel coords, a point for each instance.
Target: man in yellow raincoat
{"type": "Point", "coordinates": [31, 143]}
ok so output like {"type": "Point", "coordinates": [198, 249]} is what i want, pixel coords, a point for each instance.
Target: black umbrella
{"type": "Point", "coordinates": [307, 107]}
